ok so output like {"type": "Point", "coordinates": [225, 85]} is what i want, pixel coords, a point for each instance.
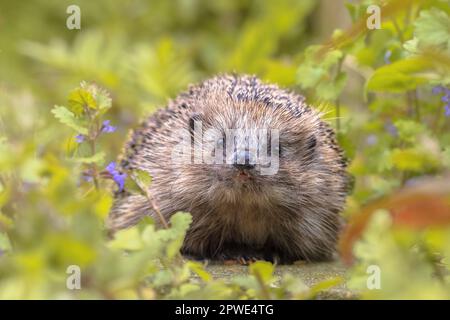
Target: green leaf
{"type": "Point", "coordinates": [187, 288]}
{"type": "Point", "coordinates": [79, 99]}
{"type": "Point", "coordinates": [246, 282]}
{"type": "Point", "coordinates": [412, 45]}
{"type": "Point", "coordinates": [142, 178]}
{"type": "Point", "coordinates": [174, 246]}
{"type": "Point", "coordinates": [401, 75]}
{"type": "Point", "coordinates": [132, 187]}
{"type": "Point", "coordinates": [89, 95]}
{"type": "Point", "coordinates": [411, 159]}
{"type": "Point", "coordinates": [68, 118]}
{"type": "Point", "coordinates": [127, 239]}
{"type": "Point", "coordinates": [409, 130]}
{"type": "Point", "coordinates": [317, 71]}
{"type": "Point", "coordinates": [138, 182]}
{"type": "Point", "coordinates": [163, 278]}
{"type": "Point", "coordinates": [145, 222]}
{"type": "Point", "coordinates": [432, 28]}
{"type": "Point", "coordinates": [98, 158]}
{"type": "Point", "coordinates": [103, 99]}
{"type": "Point", "coordinates": [325, 285]}
{"type": "Point", "coordinates": [446, 157]}
{"type": "Point", "coordinates": [5, 244]}
{"type": "Point", "coordinates": [331, 90]}
{"type": "Point", "coordinates": [198, 268]}
{"type": "Point", "coordinates": [309, 76]}
{"type": "Point", "coordinates": [316, 66]}
{"type": "Point", "coordinates": [331, 58]}
{"type": "Point", "coordinates": [180, 221]}
{"type": "Point", "coordinates": [264, 268]}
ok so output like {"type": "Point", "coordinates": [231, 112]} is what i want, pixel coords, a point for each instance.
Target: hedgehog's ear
{"type": "Point", "coordinates": [195, 117]}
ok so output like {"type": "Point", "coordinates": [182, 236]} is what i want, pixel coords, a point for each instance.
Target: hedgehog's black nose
{"type": "Point", "coordinates": [242, 160]}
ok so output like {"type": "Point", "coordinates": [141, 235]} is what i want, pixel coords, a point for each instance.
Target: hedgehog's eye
{"type": "Point", "coordinates": [311, 143]}
{"type": "Point", "coordinates": [280, 150]}
{"type": "Point", "coordinates": [220, 145]}
{"type": "Point", "coordinates": [277, 149]}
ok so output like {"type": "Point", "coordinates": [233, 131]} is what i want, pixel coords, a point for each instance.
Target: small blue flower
{"type": "Point", "coordinates": [372, 140]}
{"type": "Point", "coordinates": [80, 138]}
{"type": "Point", "coordinates": [391, 129]}
{"type": "Point", "coordinates": [447, 110]}
{"type": "Point", "coordinates": [437, 89]}
{"type": "Point", "coordinates": [111, 168]}
{"type": "Point", "coordinates": [107, 128]}
{"type": "Point", "coordinates": [412, 182]}
{"type": "Point", "coordinates": [387, 57]}
{"type": "Point", "coordinates": [87, 178]}
{"type": "Point", "coordinates": [119, 178]}
{"type": "Point", "coordinates": [445, 98]}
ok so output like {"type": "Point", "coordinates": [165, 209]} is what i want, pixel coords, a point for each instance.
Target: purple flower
{"type": "Point", "coordinates": [387, 57]}
{"type": "Point", "coordinates": [111, 167]}
{"type": "Point", "coordinates": [87, 178]}
{"type": "Point", "coordinates": [119, 178]}
{"type": "Point", "coordinates": [80, 138]}
{"type": "Point", "coordinates": [107, 128]}
{"type": "Point", "coordinates": [372, 140]}
{"type": "Point", "coordinates": [437, 89]}
{"type": "Point", "coordinates": [447, 110]}
{"type": "Point", "coordinates": [445, 97]}
{"type": "Point", "coordinates": [391, 129]}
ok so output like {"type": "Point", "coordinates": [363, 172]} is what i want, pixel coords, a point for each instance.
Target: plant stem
{"type": "Point", "coordinates": [437, 122]}
{"type": "Point", "coordinates": [93, 133]}
{"type": "Point", "coordinates": [397, 28]}
{"type": "Point", "coordinates": [416, 104]}
{"type": "Point", "coordinates": [413, 103]}
{"type": "Point", "coordinates": [155, 206]}
{"type": "Point", "coordinates": [337, 101]}
{"type": "Point", "coordinates": [94, 166]}
{"type": "Point", "coordinates": [338, 116]}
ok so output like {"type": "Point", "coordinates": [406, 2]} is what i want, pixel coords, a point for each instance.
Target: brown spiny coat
{"type": "Point", "coordinates": [291, 215]}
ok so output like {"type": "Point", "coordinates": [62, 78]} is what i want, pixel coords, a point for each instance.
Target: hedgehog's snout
{"type": "Point", "coordinates": [243, 160]}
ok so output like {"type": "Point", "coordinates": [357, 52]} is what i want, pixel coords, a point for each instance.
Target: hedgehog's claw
{"type": "Point", "coordinates": [242, 259]}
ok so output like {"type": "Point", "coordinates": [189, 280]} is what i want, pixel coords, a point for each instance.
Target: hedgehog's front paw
{"type": "Point", "coordinates": [242, 257]}
{"type": "Point", "coordinates": [244, 260]}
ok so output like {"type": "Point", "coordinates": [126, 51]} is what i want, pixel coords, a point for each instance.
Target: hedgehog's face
{"type": "Point", "coordinates": [249, 155]}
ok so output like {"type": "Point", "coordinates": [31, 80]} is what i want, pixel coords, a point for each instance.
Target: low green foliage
{"type": "Point", "coordinates": [385, 91]}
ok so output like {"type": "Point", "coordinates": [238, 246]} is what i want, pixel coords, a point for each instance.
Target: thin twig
{"type": "Point", "coordinates": [94, 166]}
{"type": "Point", "coordinates": [92, 135]}
{"type": "Point", "coordinates": [413, 103]}
{"type": "Point", "coordinates": [416, 103]}
{"type": "Point", "coordinates": [397, 28]}
{"type": "Point", "coordinates": [436, 122]}
{"type": "Point", "coordinates": [338, 116]}
{"type": "Point", "coordinates": [337, 102]}
{"type": "Point", "coordinates": [154, 206]}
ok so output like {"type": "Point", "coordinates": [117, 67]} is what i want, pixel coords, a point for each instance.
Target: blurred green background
{"type": "Point", "coordinates": [374, 86]}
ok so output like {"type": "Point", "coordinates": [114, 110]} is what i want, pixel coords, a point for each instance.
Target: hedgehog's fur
{"type": "Point", "coordinates": [288, 216]}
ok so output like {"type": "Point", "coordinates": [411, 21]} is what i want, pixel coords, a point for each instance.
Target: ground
{"type": "Point", "coordinates": [310, 273]}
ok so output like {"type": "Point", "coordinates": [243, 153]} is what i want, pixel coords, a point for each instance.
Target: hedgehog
{"type": "Point", "coordinates": [271, 191]}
